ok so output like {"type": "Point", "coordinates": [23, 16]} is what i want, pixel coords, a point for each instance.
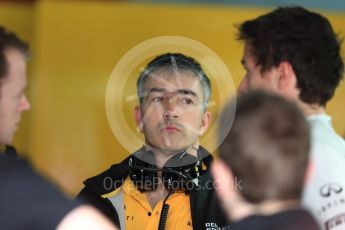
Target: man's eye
{"type": "Point", "coordinates": [157, 99]}
{"type": "Point", "coordinates": [187, 101]}
{"type": "Point", "coordinates": [18, 96]}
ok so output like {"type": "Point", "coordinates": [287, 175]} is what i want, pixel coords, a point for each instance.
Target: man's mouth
{"type": "Point", "coordinates": [170, 128]}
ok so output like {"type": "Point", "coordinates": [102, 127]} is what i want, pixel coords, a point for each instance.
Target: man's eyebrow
{"type": "Point", "coordinates": [179, 91]}
{"type": "Point", "coordinates": [156, 90]}
{"type": "Point", "coordinates": [187, 91]}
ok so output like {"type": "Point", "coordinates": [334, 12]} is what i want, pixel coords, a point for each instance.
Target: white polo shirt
{"type": "Point", "coordinates": [324, 192]}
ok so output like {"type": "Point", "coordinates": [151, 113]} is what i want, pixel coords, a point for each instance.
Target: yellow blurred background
{"type": "Point", "coordinates": [75, 46]}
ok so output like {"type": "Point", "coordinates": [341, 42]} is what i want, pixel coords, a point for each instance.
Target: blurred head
{"type": "Point", "coordinates": [267, 150]}
{"type": "Point", "coordinates": [293, 52]}
{"type": "Point", "coordinates": [13, 102]}
{"type": "Point", "coordinates": [174, 92]}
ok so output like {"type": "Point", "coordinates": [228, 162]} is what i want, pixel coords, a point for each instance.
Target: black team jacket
{"type": "Point", "coordinates": [206, 211]}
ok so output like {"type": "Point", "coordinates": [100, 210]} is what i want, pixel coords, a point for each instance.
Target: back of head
{"type": "Point", "coordinates": [9, 40]}
{"type": "Point", "coordinates": [267, 147]}
{"type": "Point", "coordinates": [304, 39]}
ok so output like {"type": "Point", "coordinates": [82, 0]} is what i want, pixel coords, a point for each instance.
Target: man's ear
{"type": "Point", "coordinates": [138, 118]}
{"type": "Point", "coordinates": [224, 180]}
{"type": "Point", "coordinates": [205, 122]}
{"type": "Point", "coordinates": [287, 76]}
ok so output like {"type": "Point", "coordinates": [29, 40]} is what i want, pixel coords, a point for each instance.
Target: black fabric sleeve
{"type": "Point", "coordinates": [27, 201]}
{"type": "Point", "coordinates": [103, 205]}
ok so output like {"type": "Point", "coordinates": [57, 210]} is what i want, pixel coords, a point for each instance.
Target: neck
{"type": "Point", "coordinates": [161, 156]}
{"type": "Point", "coordinates": [311, 109]}
{"type": "Point", "coordinates": [265, 208]}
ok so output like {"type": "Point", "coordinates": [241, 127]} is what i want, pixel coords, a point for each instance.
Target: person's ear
{"type": "Point", "coordinates": [138, 118]}
{"type": "Point", "coordinates": [224, 180]}
{"type": "Point", "coordinates": [287, 76]}
{"type": "Point", "coordinates": [205, 122]}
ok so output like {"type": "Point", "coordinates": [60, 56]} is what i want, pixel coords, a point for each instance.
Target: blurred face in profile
{"type": "Point", "coordinates": [254, 77]}
{"type": "Point", "coordinates": [13, 100]}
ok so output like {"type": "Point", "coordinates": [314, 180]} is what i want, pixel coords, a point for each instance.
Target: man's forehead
{"type": "Point", "coordinates": [173, 80]}
{"type": "Point", "coordinates": [248, 56]}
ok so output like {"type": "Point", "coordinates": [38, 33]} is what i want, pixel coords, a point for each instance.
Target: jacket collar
{"type": "Point", "coordinates": [114, 177]}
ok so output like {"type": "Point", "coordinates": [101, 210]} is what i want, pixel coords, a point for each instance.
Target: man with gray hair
{"type": "Point", "coordinates": [166, 184]}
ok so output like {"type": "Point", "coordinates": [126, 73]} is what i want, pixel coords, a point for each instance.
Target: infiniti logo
{"type": "Point", "coordinates": [327, 189]}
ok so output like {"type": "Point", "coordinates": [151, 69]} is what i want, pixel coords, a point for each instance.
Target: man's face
{"type": "Point", "coordinates": [254, 78]}
{"type": "Point", "coordinates": [171, 115]}
{"type": "Point", "coordinates": [12, 97]}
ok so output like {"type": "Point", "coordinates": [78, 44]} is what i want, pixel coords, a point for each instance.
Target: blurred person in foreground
{"type": "Point", "coordinates": [262, 165]}
{"type": "Point", "coordinates": [27, 201]}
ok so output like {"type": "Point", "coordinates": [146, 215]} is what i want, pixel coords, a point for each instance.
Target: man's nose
{"type": "Point", "coordinates": [24, 104]}
{"type": "Point", "coordinates": [243, 87]}
{"type": "Point", "coordinates": [170, 109]}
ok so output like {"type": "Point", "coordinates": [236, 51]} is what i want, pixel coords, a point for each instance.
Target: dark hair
{"type": "Point", "coordinates": [267, 147]}
{"type": "Point", "coordinates": [9, 40]}
{"type": "Point", "coordinates": [304, 39]}
{"type": "Point", "coordinates": [172, 62]}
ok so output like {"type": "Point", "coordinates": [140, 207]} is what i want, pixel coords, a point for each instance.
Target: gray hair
{"type": "Point", "coordinates": [171, 62]}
